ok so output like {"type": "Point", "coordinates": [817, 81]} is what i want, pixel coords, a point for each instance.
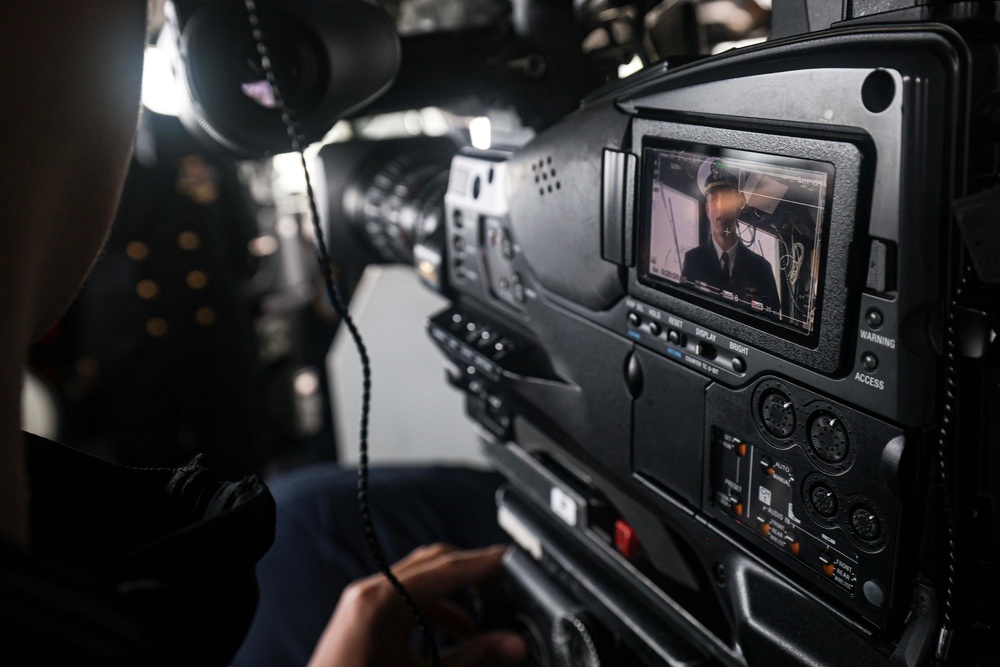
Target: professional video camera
{"type": "Point", "coordinates": [786, 458]}
{"type": "Point", "coordinates": [728, 328]}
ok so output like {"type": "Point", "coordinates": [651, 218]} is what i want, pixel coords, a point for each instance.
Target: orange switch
{"type": "Point", "coordinates": [828, 569]}
{"type": "Point", "coordinates": [767, 466]}
{"type": "Point", "coordinates": [794, 546]}
{"type": "Point", "coordinates": [741, 449]}
{"type": "Point", "coordinates": [766, 528]}
{"type": "Point", "coordinates": [738, 508]}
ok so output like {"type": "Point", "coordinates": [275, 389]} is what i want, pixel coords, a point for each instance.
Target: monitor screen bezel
{"type": "Point", "coordinates": [823, 349]}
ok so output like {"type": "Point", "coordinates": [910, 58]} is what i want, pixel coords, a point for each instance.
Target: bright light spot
{"type": "Point", "coordinates": [159, 87]}
{"type": "Point", "coordinates": [629, 68]}
{"type": "Point", "coordinates": [728, 46]}
{"type": "Point", "coordinates": [288, 227]}
{"type": "Point", "coordinates": [413, 123]}
{"type": "Point", "coordinates": [341, 131]}
{"type": "Point", "coordinates": [288, 174]}
{"type": "Point", "coordinates": [261, 93]}
{"type": "Point", "coordinates": [434, 121]}
{"type": "Point", "coordinates": [262, 246]}
{"type": "Point", "coordinates": [428, 270]}
{"type": "Point", "coordinates": [287, 162]}
{"type": "Point", "coordinates": [306, 383]}
{"type": "Point", "coordinates": [385, 126]}
{"type": "Point", "coordinates": [479, 132]}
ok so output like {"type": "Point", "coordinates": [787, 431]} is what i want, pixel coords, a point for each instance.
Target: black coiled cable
{"type": "Point", "coordinates": [945, 438]}
{"type": "Point", "coordinates": [326, 268]}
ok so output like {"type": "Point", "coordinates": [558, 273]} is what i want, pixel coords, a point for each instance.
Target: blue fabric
{"type": "Point", "coordinates": [320, 544]}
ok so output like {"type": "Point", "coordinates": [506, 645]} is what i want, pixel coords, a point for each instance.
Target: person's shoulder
{"type": "Point", "coordinates": [753, 258]}
{"type": "Point", "coordinates": [695, 261]}
{"type": "Point", "coordinates": [700, 250]}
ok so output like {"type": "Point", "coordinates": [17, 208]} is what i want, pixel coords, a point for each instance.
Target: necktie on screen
{"type": "Point", "coordinates": [725, 264]}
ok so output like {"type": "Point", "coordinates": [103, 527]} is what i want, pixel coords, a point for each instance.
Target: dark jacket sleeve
{"type": "Point", "coordinates": [172, 550]}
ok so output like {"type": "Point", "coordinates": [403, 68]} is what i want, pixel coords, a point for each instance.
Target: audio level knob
{"type": "Point", "coordinates": [823, 500]}
{"type": "Point", "coordinates": [828, 437]}
{"type": "Point", "coordinates": [777, 413]}
{"type": "Point", "coordinates": [866, 523]}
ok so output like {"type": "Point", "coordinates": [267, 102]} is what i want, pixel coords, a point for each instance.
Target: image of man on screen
{"type": "Point", "coordinates": [723, 261]}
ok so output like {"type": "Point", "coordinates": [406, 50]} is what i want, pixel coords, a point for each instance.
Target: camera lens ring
{"type": "Point", "coordinates": [572, 643]}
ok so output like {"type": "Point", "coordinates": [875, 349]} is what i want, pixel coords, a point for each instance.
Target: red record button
{"type": "Point", "coordinates": [625, 540]}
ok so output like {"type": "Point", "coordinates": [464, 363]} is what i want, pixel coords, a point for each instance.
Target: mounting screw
{"type": "Point", "coordinates": [719, 570]}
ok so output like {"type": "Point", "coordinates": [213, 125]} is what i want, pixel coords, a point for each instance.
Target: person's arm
{"type": "Point", "coordinates": [371, 625]}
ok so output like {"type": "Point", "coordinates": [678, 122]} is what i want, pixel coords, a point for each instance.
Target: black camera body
{"type": "Point", "coordinates": [728, 329]}
{"type": "Point", "coordinates": [745, 463]}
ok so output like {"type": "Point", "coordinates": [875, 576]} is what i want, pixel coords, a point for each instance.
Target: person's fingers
{"type": "Point", "coordinates": [441, 576]}
{"type": "Point", "coordinates": [495, 649]}
{"type": "Point", "coordinates": [422, 555]}
{"type": "Point", "coordinates": [449, 616]}
{"type": "Point", "coordinates": [429, 574]}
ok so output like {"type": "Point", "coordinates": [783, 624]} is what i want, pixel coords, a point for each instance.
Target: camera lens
{"type": "Point", "coordinates": [402, 205]}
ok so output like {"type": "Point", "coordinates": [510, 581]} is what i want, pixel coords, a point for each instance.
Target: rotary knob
{"type": "Point", "coordinates": [823, 500]}
{"type": "Point", "coordinates": [866, 523]}
{"type": "Point", "coordinates": [777, 413]}
{"type": "Point", "coordinates": [828, 437]}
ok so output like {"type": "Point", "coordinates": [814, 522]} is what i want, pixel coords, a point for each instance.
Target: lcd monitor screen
{"type": "Point", "coordinates": [743, 230]}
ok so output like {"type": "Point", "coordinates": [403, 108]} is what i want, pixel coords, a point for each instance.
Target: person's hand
{"type": "Point", "coordinates": [371, 625]}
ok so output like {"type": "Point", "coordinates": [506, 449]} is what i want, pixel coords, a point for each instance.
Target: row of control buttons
{"type": "Point", "coordinates": [458, 244]}
{"type": "Point", "coordinates": [515, 285]}
{"type": "Point", "coordinates": [483, 337]}
{"type": "Point", "coordinates": [478, 348]}
{"type": "Point", "coordinates": [874, 318]}
{"type": "Point", "coordinates": [702, 348]}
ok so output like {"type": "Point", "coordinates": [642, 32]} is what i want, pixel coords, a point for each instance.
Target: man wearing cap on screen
{"type": "Point", "coordinates": [723, 262]}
